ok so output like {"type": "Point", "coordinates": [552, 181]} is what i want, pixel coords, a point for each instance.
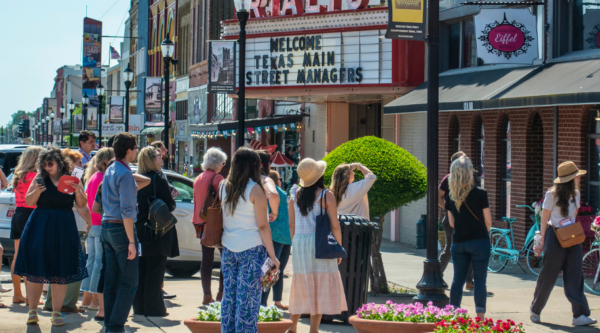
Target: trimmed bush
{"type": "Point", "coordinates": [401, 178]}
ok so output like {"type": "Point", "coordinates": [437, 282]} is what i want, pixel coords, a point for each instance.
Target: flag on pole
{"type": "Point", "coordinates": [113, 53]}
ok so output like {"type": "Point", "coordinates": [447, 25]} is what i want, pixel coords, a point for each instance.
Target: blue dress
{"type": "Point", "coordinates": [50, 249]}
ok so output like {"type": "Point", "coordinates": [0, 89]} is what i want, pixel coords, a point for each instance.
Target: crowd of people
{"type": "Point", "coordinates": [467, 226]}
{"type": "Point", "coordinates": [92, 235]}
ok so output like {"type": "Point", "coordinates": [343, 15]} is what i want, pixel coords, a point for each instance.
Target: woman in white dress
{"type": "Point", "coordinates": [351, 197]}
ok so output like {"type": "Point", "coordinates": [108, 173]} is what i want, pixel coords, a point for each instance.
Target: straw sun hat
{"type": "Point", "coordinates": [310, 171]}
{"type": "Point", "coordinates": [567, 171]}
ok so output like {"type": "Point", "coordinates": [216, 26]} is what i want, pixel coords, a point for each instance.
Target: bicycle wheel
{"type": "Point", "coordinates": [590, 271]}
{"type": "Point", "coordinates": [534, 263]}
{"type": "Point", "coordinates": [497, 260]}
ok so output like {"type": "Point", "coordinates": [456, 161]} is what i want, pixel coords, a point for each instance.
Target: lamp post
{"type": "Point", "coordinates": [43, 128]}
{"type": "Point", "coordinates": [71, 108]}
{"type": "Point", "coordinates": [35, 133]}
{"type": "Point", "coordinates": [39, 126]}
{"type": "Point", "coordinates": [100, 92]}
{"type": "Point", "coordinates": [86, 100]}
{"type": "Point", "coordinates": [62, 117]}
{"type": "Point", "coordinates": [167, 48]}
{"type": "Point", "coordinates": [432, 286]}
{"type": "Point", "coordinates": [51, 127]}
{"type": "Point", "coordinates": [242, 14]}
{"type": "Point", "coordinates": [127, 78]}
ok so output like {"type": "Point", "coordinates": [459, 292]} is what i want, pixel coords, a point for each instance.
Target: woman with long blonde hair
{"type": "Point", "coordinates": [24, 173]}
{"type": "Point", "coordinates": [350, 196]}
{"type": "Point", "coordinates": [94, 175]}
{"type": "Point", "coordinates": [469, 215]}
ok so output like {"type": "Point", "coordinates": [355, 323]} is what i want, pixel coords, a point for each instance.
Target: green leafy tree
{"type": "Point", "coordinates": [401, 179]}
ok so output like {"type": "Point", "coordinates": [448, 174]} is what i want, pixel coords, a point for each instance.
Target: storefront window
{"type": "Point", "coordinates": [454, 46]}
{"type": "Point", "coordinates": [469, 45]}
{"type": "Point", "coordinates": [455, 136]}
{"type": "Point", "coordinates": [461, 45]}
{"type": "Point", "coordinates": [479, 155]}
{"type": "Point", "coordinates": [578, 25]}
{"type": "Point", "coordinates": [593, 177]}
{"type": "Point", "coordinates": [505, 169]}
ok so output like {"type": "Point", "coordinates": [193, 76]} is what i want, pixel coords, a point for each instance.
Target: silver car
{"type": "Point", "coordinates": [188, 261]}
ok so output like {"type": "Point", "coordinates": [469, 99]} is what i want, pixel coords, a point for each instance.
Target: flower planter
{"type": "Point", "coordinates": [377, 326]}
{"type": "Point", "coordinates": [197, 326]}
{"type": "Point", "coordinates": [442, 239]}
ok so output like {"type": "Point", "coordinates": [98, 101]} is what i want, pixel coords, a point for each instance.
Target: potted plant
{"type": "Point", "coordinates": [478, 325]}
{"type": "Point", "coordinates": [270, 320]}
{"type": "Point", "coordinates": [391, 317]}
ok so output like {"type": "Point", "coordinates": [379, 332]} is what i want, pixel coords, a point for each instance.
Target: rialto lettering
{"type": "Point", "coordinates": [258, 8]}
{"type": "Point", "coordinates": [274, 68]}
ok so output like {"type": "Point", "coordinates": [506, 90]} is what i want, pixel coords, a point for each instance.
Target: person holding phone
{"type": "Point", "coordinates": [50, 248]}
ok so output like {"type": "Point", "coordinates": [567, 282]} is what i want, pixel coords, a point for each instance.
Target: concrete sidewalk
{"type": "Point", "coordinates": [512, 288]}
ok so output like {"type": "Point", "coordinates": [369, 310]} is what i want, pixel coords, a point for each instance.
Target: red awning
{"type": "Point", "coordinates": [278, 160]}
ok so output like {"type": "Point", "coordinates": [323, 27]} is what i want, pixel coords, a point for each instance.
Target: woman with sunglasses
{"type": "Point", "coordinates": [50, 249]}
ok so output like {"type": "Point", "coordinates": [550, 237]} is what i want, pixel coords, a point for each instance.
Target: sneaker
{"type": "Point", "coordinates": [583, 321]}
{"type": "Point", "coordinates": [534, 317]}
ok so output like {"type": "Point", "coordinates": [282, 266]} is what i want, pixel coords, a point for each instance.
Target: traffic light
{"type": "Point", "coordinates": [27, 129]}
{"type": "Point", "coordinates": [20, 133]}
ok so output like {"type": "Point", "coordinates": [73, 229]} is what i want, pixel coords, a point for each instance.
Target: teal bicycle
{"type": "Point", "coordinates": [504, 253]}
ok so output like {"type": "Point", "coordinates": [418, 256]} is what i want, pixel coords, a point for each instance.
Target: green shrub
{"type": "Point", "coordinates": [401, 178]}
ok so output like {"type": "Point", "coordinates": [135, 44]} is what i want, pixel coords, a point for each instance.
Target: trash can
{"type": "Point", "coordinates": [357, 234]}
{"type": "Point", "coordinates": [422, 232]}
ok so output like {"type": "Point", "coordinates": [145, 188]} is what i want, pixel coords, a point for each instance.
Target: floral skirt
{"type": "Point", "coordinates": [316, 284]}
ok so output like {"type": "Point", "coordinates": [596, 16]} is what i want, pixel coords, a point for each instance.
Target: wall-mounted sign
{"type": "Point", "coordinates": [116, 109]}
{"type": "Point", "coordinates": [181, 130]}
{"type": "Point", "coordinates": [591, 28]}
{"type": "Point", "coordinates": [406, 19]}
{"type": "Point", "coordinates": [297, 7]}
{"type": "Point", "coordinates": [506, 36]}
{"type": "Point", "coordinates": [340, 58]}
{"type": "Point", "coordinates": [221, 67]}
{"type": "Point", "coordinates": [153, 95]}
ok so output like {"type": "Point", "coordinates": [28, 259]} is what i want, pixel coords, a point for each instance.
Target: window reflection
{"type": "Point", "coordinates": [469, 44]}
{"type": "Point", "coordinates": [586, 24]}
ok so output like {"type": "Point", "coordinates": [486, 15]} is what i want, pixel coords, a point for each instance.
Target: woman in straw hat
{"type": "Point", "coordinates": [316, 285]}
{"type": "Point", "coordinates": [560, 206]}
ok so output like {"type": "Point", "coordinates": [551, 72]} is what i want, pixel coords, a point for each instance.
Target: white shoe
{"type": "Point", "coordinates": [583, 321]}
{"type": "Point", "coordinates": [536, 317]}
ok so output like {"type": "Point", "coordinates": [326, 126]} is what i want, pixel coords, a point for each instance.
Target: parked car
{"type": "Point", "coordinates": [185, 265]}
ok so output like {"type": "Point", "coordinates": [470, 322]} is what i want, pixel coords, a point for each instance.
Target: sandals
{"type": "Point", "coordinates": [3, 306]}
{"type": "Point", "coordinates": [32, 317]}
{"type": "Point", "coordinates": [57, 319]}
{"type": "Point", "coordinates": [19, 300]}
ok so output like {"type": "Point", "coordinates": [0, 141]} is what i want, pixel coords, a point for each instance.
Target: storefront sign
{"type": "Point", "coordinates": [92, 59]}
{"type": "Point", "coordinates": [591, 29]}
{"type": "Point", "coordinates": [153, 95]}
{"type": "Point", "coordinates": [91, 118]}
{"type": "Point", "coordinates": [116, 109]}
{"type": "Point", "coordinates": [327, 59]}
{"type": "Point", "coordinates": [259, 8]}
{"type": "Point", "coordinates": [221, 67]}
{"type": "Point", "coordinates": [136, 124]}
{"type": "Point", "coordinates": [506, 36]}
{"type": "Point", "coordinates": [406, 19]}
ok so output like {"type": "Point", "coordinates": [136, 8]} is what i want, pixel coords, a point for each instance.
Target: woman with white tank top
{"type": "Point", "coordinates": [246, 242]}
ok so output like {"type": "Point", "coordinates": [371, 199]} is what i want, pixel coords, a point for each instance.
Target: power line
{"type": "Point", "coordinates": [111, 7]}
{"type": "Point", "coordinates": [118, 29]}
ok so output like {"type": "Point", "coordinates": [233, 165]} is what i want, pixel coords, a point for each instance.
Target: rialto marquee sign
{"type": "Point", "coordinates": [356, 57]}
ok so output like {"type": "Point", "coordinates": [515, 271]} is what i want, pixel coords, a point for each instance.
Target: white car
{"type": "Point", "coordinates": [188, 261]}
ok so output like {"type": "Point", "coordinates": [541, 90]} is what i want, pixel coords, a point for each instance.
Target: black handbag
{"type": "Point", "coordinates": [160, 218]}
{"type": "Point", "coordinates": [326, 247]}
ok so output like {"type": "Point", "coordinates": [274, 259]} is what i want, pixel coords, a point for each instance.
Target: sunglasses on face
{"type": "Point", "coordinates": [48, 164]}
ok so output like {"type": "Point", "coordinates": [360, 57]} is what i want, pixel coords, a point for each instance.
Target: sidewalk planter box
{"type": "Point", "coordinates": [379, 326]}
{"type": "Point", "coordinates": [196, 326]}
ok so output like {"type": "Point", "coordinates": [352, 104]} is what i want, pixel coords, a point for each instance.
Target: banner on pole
{"type": "Point", "coordinates": [66, 126]}
{"type": "Point", "coordinates": [506, 36]}
{"type": "Point", "coordinates": [116, 109]}
{"type": "Point", "coordinates": [92, 59]}
{"type": "Point", "coordinates": [91, 119]}
{"type": "Point", "coordinates": [222, 67]}
{"type": "Point", "coordinates": [56, 126]}
{"type": "Point", "coordinates": [77, 123]}
{"type": "Point", "coordinates": [153, 95]}
{"type": "Point", "coordinates": [407, 19]}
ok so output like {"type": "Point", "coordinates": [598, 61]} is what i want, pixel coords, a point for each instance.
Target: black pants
{"type": "Point", "coordinates": [570, 262]}
{"type": "Point", "coordinates": [206, 267]}
{"type": "Point", "coordinates": [282, 252]}
{"type": "Point", "coordinates": [149, 296]}
{"type": "Point", "coordinates": [446, 254]}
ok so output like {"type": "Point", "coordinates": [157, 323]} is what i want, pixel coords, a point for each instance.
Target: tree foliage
{"type": "Point", "coordinates": [401, 177]}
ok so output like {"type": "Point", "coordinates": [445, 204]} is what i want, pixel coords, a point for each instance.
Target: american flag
{"type": "Point", "coordinates": [113, 53]}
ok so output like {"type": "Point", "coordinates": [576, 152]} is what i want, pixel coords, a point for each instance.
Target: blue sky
{"type": "Point", "coordinates": [39, 36]}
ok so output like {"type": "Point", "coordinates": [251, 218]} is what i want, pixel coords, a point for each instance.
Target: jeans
{"type": "Point", "coordinates": [282, 252]}
{"type": "Point", "coordinates": [570, 262]}
{"type": "Point", "coordinates": [446, 254]}
{"type": "Point", "coordinates": [476, 252]}
{"type": "Point", "coordinates": [94, 262]}
{"type": "Point", "coordinates": [122, 276]}
{"type": "Point", "coordinates": [242, 289]}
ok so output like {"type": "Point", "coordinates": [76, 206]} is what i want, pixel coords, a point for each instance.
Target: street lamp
{"type": "Point", "coordinates": [167, 48]}
{"type": "Point", "coordinates": [242, 14]}
{"type": "Point", "coordinates": [71, 108]}
{"type": "Point", "coordinates": [127, 78]}
{"type": "Point", "coordinates": [43, 128]}
{"type": "Point", "coordinates": [86, 101]}
{"type": "Point", "coordinates": [62, 117]}
{"type": "Point", "coordinates": [51, 126]}
{"type": "Point", "coordinates": [100, 92]}
{"type": "Point", "coordinates": [49, 133]}
{"type": "Point", "coordinates": [39, 125]}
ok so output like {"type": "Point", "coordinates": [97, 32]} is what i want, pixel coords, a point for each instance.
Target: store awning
{"type": "Point", "coordinates": [152, 130]}
{"type": "Point", "coordinates": [250, 123]}
{"type": "Point", "coordinates": [563, 83]}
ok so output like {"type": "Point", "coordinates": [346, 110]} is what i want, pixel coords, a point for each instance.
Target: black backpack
{"type": "Point", "coordinates": [160, 218]}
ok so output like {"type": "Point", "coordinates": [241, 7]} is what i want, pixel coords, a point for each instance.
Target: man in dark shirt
{"type": "Point", "coordinates": [443, 193]}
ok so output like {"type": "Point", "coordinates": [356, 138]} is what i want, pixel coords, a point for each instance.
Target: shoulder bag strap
{"type": "Point", "coordinates": [211, 188]}
{"type": "Point", "coordinates": [154, 197]}
{"type": "Point", "coordinates": [323, 197]}
{"type": "Point", "coordinates": [471, 211]}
